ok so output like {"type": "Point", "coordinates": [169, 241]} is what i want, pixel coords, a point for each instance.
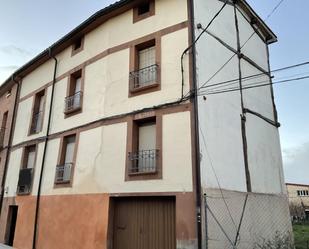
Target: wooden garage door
{"type": "Point", "coordinates": [144, 223]}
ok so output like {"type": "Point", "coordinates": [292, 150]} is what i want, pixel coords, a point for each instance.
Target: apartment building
{"type": "Point", "coordinates": [108, 149]}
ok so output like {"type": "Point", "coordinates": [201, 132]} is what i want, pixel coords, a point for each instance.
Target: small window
{"type": "Point", "coordinates": [3, 128]}
{"type": "Point", "coordinates": [145, 73]}
{"type": "Point", "coordinates": [78, 45]}
{"type": "Point", "coordinates": [73, 101]}
{"type": "Point", "coordinates": [303, 192]}
{"type": "Point", "coordinates": [143, 10]}
{"type": "Point", "coordinates": [64, 168]}
{"type": "Point", "coordinates": [37, 113]}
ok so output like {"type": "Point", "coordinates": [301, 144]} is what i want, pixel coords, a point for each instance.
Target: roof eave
{"type": "Point", "coordinates": [267, 32]}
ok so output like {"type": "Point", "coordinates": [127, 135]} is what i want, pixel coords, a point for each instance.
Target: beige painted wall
{"type": "Point", "coordinates": [106, 90]}
{"type": "Point", "coordinates": [108, 35]}
{"type": "Point", "coordinates": [100, 166]}
{"type": "Point", "coordinates": [106, 80]}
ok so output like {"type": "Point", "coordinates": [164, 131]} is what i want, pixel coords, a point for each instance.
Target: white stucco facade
{"type": "Point", "coordinates": [224, 144]}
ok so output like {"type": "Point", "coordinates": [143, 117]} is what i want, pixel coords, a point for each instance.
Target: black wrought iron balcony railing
{"type": "Point", "coordinates": [144, 77]}
{"type": "Point", "coordinates": [63, 173]}
{"type": "Point", "coordinates": [143, 161]}
{"type": "Point", "coordinates": [36, 124]}
{"type": "Point", "coordinates": [25, 181]}
{"type": "Point", "coordinates": [2, 134]}
{"type": "Point", "coordinates": [73, 102]}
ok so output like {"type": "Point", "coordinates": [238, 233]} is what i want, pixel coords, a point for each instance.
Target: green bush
{"type": "Point", "coordinates": [279, 241]}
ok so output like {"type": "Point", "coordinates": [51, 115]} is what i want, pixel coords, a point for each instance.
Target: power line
{"type": "Point", "coordinates": [236, 80]}
{"type": "Point", "coordinates": [217, 178]}
{"type": "Point", "coordinates": [250, 86]}
{"type": "Point", "coordinates": [274, 10]}
{"type": "Point", "coordinates": [220, 69]}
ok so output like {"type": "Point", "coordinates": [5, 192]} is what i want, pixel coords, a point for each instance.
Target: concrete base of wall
{"type": "Point", "coordinates": [265, 218]}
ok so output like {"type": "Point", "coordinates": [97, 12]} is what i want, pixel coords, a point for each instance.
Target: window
{"type": "Point", "coordinates": [29, 157]}
{"type": "Point", "coordinates": [37, 113]}
{"type": "Point", "coordinates": [143, 10]}
{"type": "Point", "coordinates": [78, 45]}
{"type": "Point", "coordinates": [73, 101]}
{"type": "Point", "coordinates": [144, 148]}
{"type": "Point", "coordinates": [303, 192]}
{"type": "Point", "coordinates": [3, 128]}
{"type": "Point", "coordinates": [65, 166]}
{"type": "Point", "coordinates": [26, 171]}
{"type": "Point", "coordinates": [144, 72]}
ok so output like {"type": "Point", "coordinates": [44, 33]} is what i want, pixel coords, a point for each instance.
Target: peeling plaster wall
{"type": "Point", "coordinates": [106, 89]}
{"type": "Point", "coordinates": [101, 158]}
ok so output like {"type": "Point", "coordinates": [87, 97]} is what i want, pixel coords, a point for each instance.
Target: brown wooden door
{"type": "Point", "coordinates": [144, 223]}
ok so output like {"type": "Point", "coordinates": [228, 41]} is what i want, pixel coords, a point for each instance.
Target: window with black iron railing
{"type": "Point", "coordinates": [73, 102]}
{"type": "Point", "coordinates": [143, 161]}
{"type": "Point", "coordinates": [25, 181]}
{"type": "Point", "coordinates": [36, 124]}
{"type": "Point", "coordinates": [63, 173]}
{"type": "Point", "coordinates": [2, 134]}
{"type": "Point", "coordinates": [144, 77]}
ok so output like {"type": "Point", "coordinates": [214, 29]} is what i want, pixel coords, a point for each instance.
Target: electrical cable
{"type": "Point", "coordinates": [221, 87]}
{"type": "Point", "coordinates": [220, 69]}
{"type": "Point", "coordinates": [250, 86]}
{"type": "Point", "coordinates": [274, 10]}
{"type": "Point", "coordinates": [195, 41]}
{"type": "Point", "coordinates": [256, 75]}
{"type": "Point", "coordinates": [217, 179]}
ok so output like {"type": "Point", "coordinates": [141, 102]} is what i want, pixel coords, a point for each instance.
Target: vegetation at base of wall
{"type": "Point", "coordinates": [301, 236]}
{"type": "Point", "coordinates": [279, 241]}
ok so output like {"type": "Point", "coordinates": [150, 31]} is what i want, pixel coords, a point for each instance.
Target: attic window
{"type": "Point", "coordinates": [143, 10]}
{"type": "Point", "coordinates": [78, 45]}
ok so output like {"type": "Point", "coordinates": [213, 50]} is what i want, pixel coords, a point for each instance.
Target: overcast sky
{"type": "Point", "coordinates": [28, 27]}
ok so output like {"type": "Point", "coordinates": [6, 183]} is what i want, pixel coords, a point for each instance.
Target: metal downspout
{"type": "Point", "coordinates": [44, 153]}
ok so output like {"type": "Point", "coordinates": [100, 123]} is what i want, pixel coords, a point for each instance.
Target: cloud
{"type": "Point", "coordinates": [6, 71]}
{"type": "Point", "coordinates": [13, 50]}
{"type": "Point", "coordinates": [296, 162]}
{"type": "Point", "coordinates": [8, 68]}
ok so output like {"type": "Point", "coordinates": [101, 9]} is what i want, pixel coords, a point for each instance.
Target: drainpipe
{"type": "Point", "coordinates": [196, 124]}
{"type": "Point", "coordinates": [44, 153]}
{"type": "Point", "coordinates": [7, 157]}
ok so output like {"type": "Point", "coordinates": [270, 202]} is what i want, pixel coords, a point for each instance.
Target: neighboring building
{"type": "Point", "coordinates": [106, 146]}
{"type": "Point", "coordinates": [299, 198]}
{"type": "Point", "coordinates": [8, 96]}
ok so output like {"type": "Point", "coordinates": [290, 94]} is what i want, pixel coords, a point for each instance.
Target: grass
{"type": "Point", "coordinates": [301, 236]}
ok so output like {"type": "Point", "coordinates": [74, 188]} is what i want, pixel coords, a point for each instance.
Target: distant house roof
{"type": "Point", "coordinates": [100, 17]}
{"type": "Point", "coordinates": [297, 184]}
